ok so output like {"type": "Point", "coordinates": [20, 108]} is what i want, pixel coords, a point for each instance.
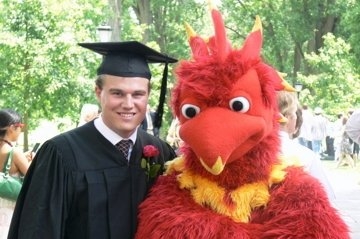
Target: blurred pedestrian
{"type": "Point", "coordinates": [338, 132]}
{"type": "Point", "coordinates": [318, 131]}
{"type": "Point", "coordinates": [353, 130]}
{"type": "Point", "coordinates": [148, 123]}
{"type": "Point", "coordinates": [88, 112]}
{"type": "Point", "coordinates": [356, 148]}
{"type": "Point", "coordinates": [352, 127]}
{"type": "Point", "coordinates": [346, 148]}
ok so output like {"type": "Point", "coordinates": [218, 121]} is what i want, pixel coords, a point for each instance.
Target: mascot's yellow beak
{"type": "Point", "coordinates": [217, 168]}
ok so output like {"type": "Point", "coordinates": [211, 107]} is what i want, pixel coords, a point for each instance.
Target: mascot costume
{"type": "Point", "coordinates": [229, 181]}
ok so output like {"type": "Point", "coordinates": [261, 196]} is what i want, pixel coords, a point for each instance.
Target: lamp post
{"type": "Point", "coordinates": [298, 87]}
{"type": "Point", "coordinates": [104, 33]}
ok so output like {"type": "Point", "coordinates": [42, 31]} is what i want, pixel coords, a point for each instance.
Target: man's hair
{"type": "Point", "coordinates": [99, 82]}
{"type": "Point", "coordinates": [299, 122]}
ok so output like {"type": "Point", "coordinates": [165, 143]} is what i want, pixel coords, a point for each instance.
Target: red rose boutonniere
{"type": "Point", "coordinates": [151, 168]}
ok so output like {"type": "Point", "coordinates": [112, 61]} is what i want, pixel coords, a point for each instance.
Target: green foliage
{"type": "Point", "coordinates": [329, 73]}
{"type": "Point", "coordinates": [349, 28]}
{"type": "Point", "coordinates": [168, 35]}
{"type": "Point", "coordinates": [335, 85]}
{"type": "Point", "coordinates": [45, 74]}
{"type": "Point", "coordinates": [42, 61]}
{"type": "Point", "coordinates": [276, 48]}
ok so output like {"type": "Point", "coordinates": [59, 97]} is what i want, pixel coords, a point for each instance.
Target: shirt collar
{"type": "Point", "coordinates": [109, 134]}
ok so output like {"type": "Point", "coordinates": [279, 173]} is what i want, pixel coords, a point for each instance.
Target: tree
{"type": "Point", "coordinates": [349, 29]}
{"type": "Point", "coordinates": [294, 30]}
{"type": "Point", "coordinates": [43, 74]}
{"type": "Point", "coordinates": [334, 85]}
{"type": "Point", "coordinates": [46, 75]}
{"type": "Point", "coordinates": [160, 25]}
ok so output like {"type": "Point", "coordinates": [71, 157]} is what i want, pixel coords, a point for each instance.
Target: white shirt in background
{"type": "Point", "coordinates": [305, 157]}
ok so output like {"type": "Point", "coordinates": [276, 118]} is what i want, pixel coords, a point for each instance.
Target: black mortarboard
{"type": "Point", "coordinates": [130, 59]}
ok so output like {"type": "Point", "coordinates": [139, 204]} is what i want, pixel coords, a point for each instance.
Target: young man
{"type": "Point", "coordinates": [81, 184]}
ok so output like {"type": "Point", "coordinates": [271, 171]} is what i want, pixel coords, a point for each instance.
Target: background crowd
{"type": "Point", "coordinates": [327, 137]}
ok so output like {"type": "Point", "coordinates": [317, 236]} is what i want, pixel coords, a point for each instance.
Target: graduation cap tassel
{"type": "Point", "coordinates": [160, 108]}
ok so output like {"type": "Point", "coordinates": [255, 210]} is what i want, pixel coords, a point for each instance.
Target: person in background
{"type": "Point", "coordinates": [318, 131]}
{"type": "Point", "coordinates": [356, 148]}
{"type": "Point", "coordinates": [10, 129]}
{"type": "Point", "coordinates": [346, 148]}
{"type": "Point", "coordinates": [305, 135]}
{"type": "Point", "coordinates": [88, 113]}
{"type": "Point", "coordinates": [148, 123]}
{"type": "Point", "coordinates": [338, 131]}
{"type": "Point", "coordinates": [173, 137]}
{"type": "Point", "coordinates": [292, 152]}
{"type": "Point", "coordinates": [352, 128]}
{"type": "Point", "coordinates": [329, 151]}
{"type": "Point", "coordinates": [87, 183]}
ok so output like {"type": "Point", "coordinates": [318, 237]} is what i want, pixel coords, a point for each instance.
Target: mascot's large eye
{"type": "Point", "coordinates": [239, 104]}
{"type": "Point", "coordinates": [190, 111]}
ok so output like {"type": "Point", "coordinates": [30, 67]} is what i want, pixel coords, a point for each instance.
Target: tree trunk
{"type": "Point", "coordinates": [325, 26]}
{"type": "Point", "coordinates": [26, 132]}
{"type": "Point", "coordinates": [143, 12]}
{"type": "Point", "coordinates": [115, 20]}
{"type": "Point", "coordinates": [298, 57]}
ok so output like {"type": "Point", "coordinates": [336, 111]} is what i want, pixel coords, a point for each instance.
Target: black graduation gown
{"type": "Point", "coordinates": [80, 186]}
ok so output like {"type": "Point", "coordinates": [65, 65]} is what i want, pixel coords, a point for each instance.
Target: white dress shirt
{"type": "Point", "coordinates": [113, 137]}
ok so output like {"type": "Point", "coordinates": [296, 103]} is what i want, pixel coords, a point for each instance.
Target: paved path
{"type": "Point", "coordinates": [346, 184]}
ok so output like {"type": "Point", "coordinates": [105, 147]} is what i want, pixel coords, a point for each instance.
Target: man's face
{"type": "Point", "coordinates": [123, 102]}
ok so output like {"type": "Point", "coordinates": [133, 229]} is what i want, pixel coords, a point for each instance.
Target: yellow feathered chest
{"type": "Point", "coordinates": [236, 204]}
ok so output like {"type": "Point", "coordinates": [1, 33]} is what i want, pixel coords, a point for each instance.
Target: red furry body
{"type": "Point", "coordinates": [298, 208]}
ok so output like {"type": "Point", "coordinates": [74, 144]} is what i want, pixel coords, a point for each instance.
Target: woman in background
{"type": "Point", "coordinates": [10, 130]}
{"type": "Point", "coordinates": [292, 152]}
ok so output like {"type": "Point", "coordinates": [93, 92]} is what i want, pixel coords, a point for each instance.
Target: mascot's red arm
{"type": "Point", "coordinates": [229, 181]}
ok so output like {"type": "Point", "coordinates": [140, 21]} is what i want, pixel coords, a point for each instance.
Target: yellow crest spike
{"type": "Point", "coordinates": [189, 31]}
{"type": "Point", "coordinates": [282, 118]}
{"type": "Point", "coordinates": [284, 83]}
{"type": "Point", "coordinates": [211, 5]}
{"type": "Point", "coordinates": [257, 25]}
{"type": "Point", "coordinates": [288, 87]}
{"type": "Point", "coordinates": [216, 169]}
